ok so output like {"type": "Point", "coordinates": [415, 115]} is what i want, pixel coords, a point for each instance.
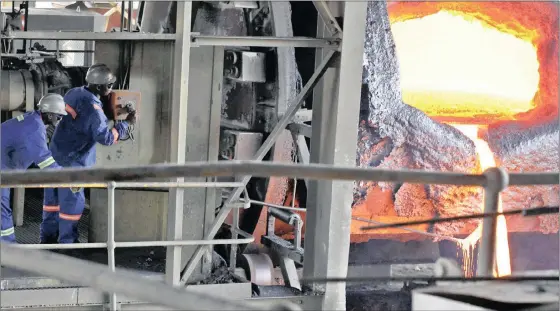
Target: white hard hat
{"type": "Point", "coordinates": [53, 103]}
{"type": "Point", "coordinates": [100, 74]}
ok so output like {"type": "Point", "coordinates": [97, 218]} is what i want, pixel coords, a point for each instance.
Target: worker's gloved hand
{"type": "Point", "coordinates": [131, 118]}
{"type": "Point", "coordinates": [122, 129]}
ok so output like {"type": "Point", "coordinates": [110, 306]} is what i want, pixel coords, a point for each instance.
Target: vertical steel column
{"type": "Point", "coordinates": [178, 136]}
{"type": "Point", "coordinates": [334, 132]}
{"type": "Point", "coordinates": [496, 180]}
{"type": "Point", "coordinates": [215, 118]}
{"type": "Point", "coordinates": [111, 238]}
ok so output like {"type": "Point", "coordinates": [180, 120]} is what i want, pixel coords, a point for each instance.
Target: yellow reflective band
{"type": "Point", "coordinates": [7, 232]}
{"type": "Point", "coordinates": [19, 118]}
{"type": "Point", "coordinates": [46, 163]}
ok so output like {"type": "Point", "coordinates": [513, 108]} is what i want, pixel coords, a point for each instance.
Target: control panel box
{"type": "Point", "coordinates": [122, 102]}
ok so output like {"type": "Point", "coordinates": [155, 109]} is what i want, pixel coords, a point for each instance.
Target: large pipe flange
{"type": "Point", "coordinates": [259, 268]}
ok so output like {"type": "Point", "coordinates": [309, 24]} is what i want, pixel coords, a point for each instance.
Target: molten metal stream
{"type": "Point", "coordinates": [486, 159]}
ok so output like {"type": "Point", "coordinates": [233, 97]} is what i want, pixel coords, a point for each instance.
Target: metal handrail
{"type": "Point", "coordinates": [494, 180]}
{"type": "Point", "coordinates": [111, 244]}
{"type": "Point", "coordinates": [263, 169]}
{"type": "Point", "coordinates": [129, 283]}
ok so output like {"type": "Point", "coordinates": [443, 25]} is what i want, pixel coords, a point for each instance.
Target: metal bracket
{"type": "Point", "coordinates": [283, 248]}
{"type": "Point", "coordinates": [245, 66]}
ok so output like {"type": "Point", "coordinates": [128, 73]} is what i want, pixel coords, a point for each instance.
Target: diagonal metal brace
{"type": "Point", "coordinates": [328, 18]}
{"type": "Point", "coordinates": [259, 155]}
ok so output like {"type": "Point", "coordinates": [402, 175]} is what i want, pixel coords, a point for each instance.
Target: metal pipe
{"type": "Point", "coordinates": [497, 180]}
{"type": "Point", "coordinates": [25, 25]}
{"type": "Point", "coordinates": [62, 246]}
{"type": "Point", "coordinates": [259, 155]}
{"type": "Point", "coordinates": [288, 208]}
{"type": "Point", "coordinates": [534, 211]}
{"type": "Point", "coordinates": [287, 217]}
{"type": "Point", "coordinates": [256, 168]}
{"type": "Point", "coordinates": [529, 179]}
{"type": "Point", "coordinates": [185, 243]}
{"type": "Point", "coordinates": [297, 42]}
{"type": "Point", "coordinates": [129, 16]}
{"type": "Point", "coordinates": [130, 284]}
{"type": "Point", "coordinates": [234, 235]}
{"type": "Point", "coordinates": [122, 16]}
{"type": "Point", "coordinates": [193, 184]}
{"type": "Point", "coordinates": [89, 36]}
{"type": "Point", "coordinates": [248, 239]}
{"type": "Point", "coordinates": [71, 51]}
{"type": "Point", "coordinates": [137, 185]}
{"type": "Point", "coordinates": [111, 239]}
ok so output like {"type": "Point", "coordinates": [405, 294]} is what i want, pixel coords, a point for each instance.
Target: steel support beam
{"type": "Point", "coordinates": [298, 42]}
{"type": "Point", "coordinates": [178, 137]}
{"type": "Point", "coordinates": [195, 39]}
{"type": "Point", "coordinates": [334, 132]}
{"type": "Point", "coordinates": [259, 155]}
{"type": "Point", "coordinates": [89, 36]}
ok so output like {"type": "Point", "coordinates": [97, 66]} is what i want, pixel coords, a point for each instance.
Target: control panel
{"type": "Point", "coordinates": [123, 102]}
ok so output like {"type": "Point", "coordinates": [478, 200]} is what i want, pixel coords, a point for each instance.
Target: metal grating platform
{"type": "Point", "coordinates": [33, 215]}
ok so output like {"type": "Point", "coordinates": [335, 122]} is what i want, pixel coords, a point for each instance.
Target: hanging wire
{"type": "Point", "coordinates": [524, 212]}
{"type": "Point", "coordinates": [434, 235]}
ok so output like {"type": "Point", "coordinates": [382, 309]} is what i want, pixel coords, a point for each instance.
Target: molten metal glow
{"type": "Point", "coordinates": [533, 24]}
{"type": "Point", "coordinates": [486, 160]}
{"type": "Point", "coordinates": [452, 67]}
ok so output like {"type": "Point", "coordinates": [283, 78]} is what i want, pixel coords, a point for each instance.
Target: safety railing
{"type": "Point", "coordinates": [494, 180]}
{"type": "Point", "coordinates": [111, 244]}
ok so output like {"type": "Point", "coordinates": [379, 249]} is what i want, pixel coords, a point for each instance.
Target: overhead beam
{"type": "Point", "coordinates": [195, 39]}
{"type": "Point", "coordinates": [298, 42]}
{"type": "Point", "coordinates": [87, 36]}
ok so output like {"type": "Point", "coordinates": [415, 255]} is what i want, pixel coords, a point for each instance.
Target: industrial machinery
{"type": "Point", "coordinates": [236, 63]}
{"type": "Point", "coordinates": [243, 91]}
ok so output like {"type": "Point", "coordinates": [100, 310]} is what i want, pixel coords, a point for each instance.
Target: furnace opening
{"type": "Point", "coordinates": [482, 56]}
{"type": "Point", "coordinates": [457, 69]}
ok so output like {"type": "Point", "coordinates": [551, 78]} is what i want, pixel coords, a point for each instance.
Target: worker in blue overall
{"type": "Point", "coordinates": [73, 145]}
{"type": "Point", "coordinates": [24, 142]}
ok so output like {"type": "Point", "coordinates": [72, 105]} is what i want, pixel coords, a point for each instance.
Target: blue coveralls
{"type": "Point", "coordinates": [73, 145]}
{"type": "Point", "coordinates": [24, 141]}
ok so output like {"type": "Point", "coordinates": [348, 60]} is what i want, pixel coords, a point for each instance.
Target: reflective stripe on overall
{"type": "Point", "coordinates": [8, 232]}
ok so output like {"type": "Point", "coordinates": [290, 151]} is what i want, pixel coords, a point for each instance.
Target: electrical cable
{"type": "Point", "coordinates": [531, 278]}
{"type": "Point", "coordinates": [434, 235]}
{"type": "Point", "coordinates": [524, 212]}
